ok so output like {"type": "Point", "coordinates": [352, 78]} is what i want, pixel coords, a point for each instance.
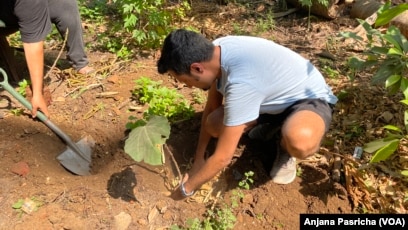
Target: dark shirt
{"type": "Point", "coordinates": [30, 17]}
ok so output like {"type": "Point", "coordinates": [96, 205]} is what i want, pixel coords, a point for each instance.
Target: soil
{"type": "Point", "coordinates": [122, 192]}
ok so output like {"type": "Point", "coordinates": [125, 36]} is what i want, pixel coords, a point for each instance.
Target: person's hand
{"type": "Point", "coordinates": [38, 103]}
{"type": "Point", "coordinates": [177, 194]}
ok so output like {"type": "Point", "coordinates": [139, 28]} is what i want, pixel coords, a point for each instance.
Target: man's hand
{"type": "Point", "coordinates": [177, 194]}
{"type": "Point", "coordinates": [38, 103]}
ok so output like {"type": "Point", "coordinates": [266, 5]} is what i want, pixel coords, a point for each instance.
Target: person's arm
{"type": "Point", "coordinates": [34, 54]}
{"type": "Point", "coordinates": [214, 100]}
{"type": "Point", "coordinates": [221, 158]}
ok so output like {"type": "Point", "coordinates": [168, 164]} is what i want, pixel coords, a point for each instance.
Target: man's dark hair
{"type": "Point", "coordinates": [181, 48]}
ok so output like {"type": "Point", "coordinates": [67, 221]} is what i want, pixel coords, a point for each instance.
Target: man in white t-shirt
{"type": "Point", "coordinates": [255, 86]}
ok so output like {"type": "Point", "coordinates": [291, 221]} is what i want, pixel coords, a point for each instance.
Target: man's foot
{"type": "Point", "coordinates": [283, 168]}
{"type": "Point", "coordinates": [86, 70]}
{"type": "Point", "coordinates": [264, 132]}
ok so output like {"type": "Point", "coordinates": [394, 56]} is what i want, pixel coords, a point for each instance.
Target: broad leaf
{"type": "Point", "coordinates": [404, 172]}
{"type": "Point", "coordinates": [393, 79]}
{"type": "Point", "coordinates": [377, 144]}
{"type": "Point", "coordinates": [386, 16]}
{"type": "Point", "coordinates": [351, 35]}
{"type": "Point", "coordinates": [394, 37]}
{"type": "Point", "coordinates": [392, 128]}
{"type": "Point", "coordinates": [404, 88]}
{"type": "Point", "coordinates": [385, 152]}
{"type": "Point", "coordinates": [145, 142]}
{"type": "Point", "coordinates": [405, 101]}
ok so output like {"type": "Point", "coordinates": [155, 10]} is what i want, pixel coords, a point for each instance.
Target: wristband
{"type": "Point", "coordinates": [183, 191]}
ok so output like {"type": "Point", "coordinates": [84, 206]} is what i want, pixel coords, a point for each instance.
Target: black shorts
{"type": "Point", "coordinates": [319, 106]}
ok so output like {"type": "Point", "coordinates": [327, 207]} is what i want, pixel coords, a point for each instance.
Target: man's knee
{"type": "Point", "coordinates": [300, 149]}
{"type": "Point", "coordinates": [302, 142]}
{"type": "Point", "coordinates": [214, 122]}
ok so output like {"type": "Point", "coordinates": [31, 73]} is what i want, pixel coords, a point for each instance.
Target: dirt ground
{"type": "Point", "coordinates": [122, 192]}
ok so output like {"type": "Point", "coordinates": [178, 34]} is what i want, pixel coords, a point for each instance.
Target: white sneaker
{"type": "Point", "coordinates": [284, 168]}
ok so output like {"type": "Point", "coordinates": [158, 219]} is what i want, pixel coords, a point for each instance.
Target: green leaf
{"type": "Point", "coordinates": [394, 51]}
{"type": "Point", "coordinates": [351, 35]}
{"type": "Point", "coordinates": [406, 120]}
{"type": "Point", "coordinates": [18, 204]}
{"type": "Point", "coordinates": [404, 172]}
{"type": "Point", "coordinates": [404, 87]}
{"type": "Point", "coordinates": [386, 16]}
{"type": "Point", "coordinates": [392, 128]}
{"type": "Point", "coordinates": [393, 79]}
{"type": "Point", "coordinates": [394, 37]}
{"type": "Point", "coordinates": [379, 50]}
{"type": "Point", "coordinates": [387, 69]}
{"type": "Point", "coordinates": [405, 102]}
{"type": "Point", "coordinates": [145, 142]}
{"type": "Point", "coordinates": [385, 152]}
{"type": "Point", "coordinates": [377, 144]}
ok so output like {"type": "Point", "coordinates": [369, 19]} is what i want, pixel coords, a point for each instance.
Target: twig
{"type": "Point", "coordinates": [175, 162]}
{"type": "Point", "coordinates": [337, 164]}
{"type": "Point", "coordinates": [91, 86]}
{"type": "Point", "coordinates": [59, 55]}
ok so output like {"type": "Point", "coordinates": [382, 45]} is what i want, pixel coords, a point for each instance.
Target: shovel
{"type": "Point", "coordinates": [77, 157]}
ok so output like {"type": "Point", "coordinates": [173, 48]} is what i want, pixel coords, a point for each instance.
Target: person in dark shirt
{"type": "Point", "coordinates": [33, 18]}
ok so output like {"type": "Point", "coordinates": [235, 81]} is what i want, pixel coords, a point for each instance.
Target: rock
{"type": "Point", "coordinates": [122, 221]}
{"type": "Point", "coordinates": [20, 168]}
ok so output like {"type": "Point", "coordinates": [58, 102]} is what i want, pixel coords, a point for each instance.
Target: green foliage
{"type": "Point", "coordinates": [145, 141]}
{"type": "Point", "coordinates": [148, 135]}
{"type": "Point", "coordinates": [17, 111]}
{"type": "Point", "coordinates": [23, 85]}
{"type": "Point", "coordinates": [149, 21]}
{"type": "Point", "coordinates": [162, 101]}
{"type": "Point", "coordinates": [247, 181]}
{"type": "Point", "coordinates": [27, 205]}
{"type": "Point", "coordinates": [385, 55]}
{"type": "Point", "coordinates": [329, 72]}
{"type": "Point", "coordinates": [222, 218]}
{"type": "Point", "coordinates": [219, 219]}
{"type": "Point", "coordinates": [265, 24]}
{"type": "Point", "coordinates": [198, 96]}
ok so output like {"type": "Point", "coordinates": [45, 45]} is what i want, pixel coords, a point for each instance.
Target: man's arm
{"type": "Point", "coordinates": [214, 101]}
{"type": "Point", "coordinates": [224, 151]}
{"type": "Point", "coordinates": [34, 53]}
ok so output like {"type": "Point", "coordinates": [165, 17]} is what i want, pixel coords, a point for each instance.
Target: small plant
{"type": "Point", "coordinates": [17, 111]}
{"type": "Point", "coordinates": [220, 219]}
{"type": "Point", "coordinates": [386, 56]}
{"type": "Point", "coordinates": [309, 4]}
{"type": "Point", "coordinates": [266, 24]}
{"type": "Point", "coordinates": [247, 181]}
{"type": "Point", "coordinates": [162, 101]}
{"type": "Point", "coordinates": [299, 171]}
{"type": "Point", "coordinates": [27, 205]}
{"type": "Point", "coordinates": [329, 72]}
{"type": "Point", "coordinates": [23, 85]}
{"type": "Point", "coordinates": [198, 96]}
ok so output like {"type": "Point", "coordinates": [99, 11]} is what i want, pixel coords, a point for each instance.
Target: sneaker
{"type": "Point", "coordinates": [264, 132]}
{"type": "Point", "coordinates": [284, 168]}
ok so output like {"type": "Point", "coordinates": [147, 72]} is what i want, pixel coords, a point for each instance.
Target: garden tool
{"type": "Point", "coordinates": [77, 157]}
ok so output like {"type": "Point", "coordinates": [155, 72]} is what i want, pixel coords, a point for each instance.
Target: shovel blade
{"type": "Point", "coordinates": [75, 163]}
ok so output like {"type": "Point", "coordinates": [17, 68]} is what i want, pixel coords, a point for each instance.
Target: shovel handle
{"type": "Point", "coordinates": [18, 96]}
{"type": "Point", "coordinates": [41, 116]}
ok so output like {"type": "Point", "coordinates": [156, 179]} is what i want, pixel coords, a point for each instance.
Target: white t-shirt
{"type": "Point", "coordinates": [260, 76]}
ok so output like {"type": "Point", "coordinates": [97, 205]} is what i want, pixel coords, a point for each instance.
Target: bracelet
{"type": "Point", "coordinates": [183, 191]}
